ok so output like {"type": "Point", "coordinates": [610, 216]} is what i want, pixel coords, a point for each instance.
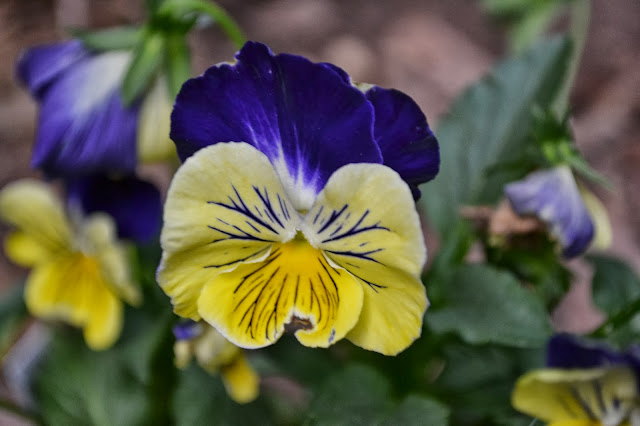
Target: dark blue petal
{"type": "Point", "coordinates": [39, 66]}
{"type": "Point", "coordinates": [187, 330]}
{"type": "Point", "coordinates": [135, 205]}
{"type": "Point", "coordinates": [303, 116]}
{"type": "Point", "coordinates": [553, 196]}
{"type": "Point", "coordinates": [568, 351]}
{"type": "Point", "coordinates": [84, 126]}
{"type": "Point", "coordinates": [407, 143]}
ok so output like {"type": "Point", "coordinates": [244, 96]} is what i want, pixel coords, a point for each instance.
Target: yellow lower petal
{"type": "Point", "coordinates": [225, 207]}
{"type": "Point", "coordinates": [240, 380]}
{"type": "Point", "coordinates": [365, 222]}
{"type": "Point", "coordinates": [25, 250]}
{"type": "Point", "coordinates": [71, 288]}
{"type": "Point", "coordinates": [557, 396]}
{"type": "Point", "coordinates": [294, 288]}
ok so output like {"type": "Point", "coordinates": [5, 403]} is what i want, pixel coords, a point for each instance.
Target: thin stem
{"type": "Point", "coordinates": [580, 17]}
{"type": "Point", "coordinates": [219, 15]}
{"type": "Point", "coordinates": [621, 318]}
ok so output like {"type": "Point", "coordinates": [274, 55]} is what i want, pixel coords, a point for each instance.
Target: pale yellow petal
{"type": "Point", "coordinates": [365, 222]}
{"type": "Point", "coordinates": [240, 380]}
{"type": "Point", "coordinates": [154, 125]}
{"type": "Point", "coordinates": [603, 236]}
{"type": "Point", "coordinates": [33, 208]}
{"type": "Point", "coordinates": [100, 232]}
{"type": "Point", "coordinates": [104, 323]}
{"type": "Point", "coordinates": [71, 288]}
{"type": "Point", "coordinates": [295, 289]}
{"type": "Point", "coordinates": [555, 395]}
{"type": "Point", "coordinates": [25, 250]}
{"type": "Point", "coordinates": [225, 207]}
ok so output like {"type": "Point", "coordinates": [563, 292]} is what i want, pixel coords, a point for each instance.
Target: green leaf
{"type": "Point", "coordinates": [178, 65]}
{"type": "Point", "coordinates": [473, 366]}
{"type": "Point", "coordinates": [357, 395]}
{"type": "Point", "coordinates": [13, 313]}
{"type": "Point", "coordinates": [488, 125]}
{"type": "Point", "coordinates": [77, 386]}
{"type": "Point", "coordinates": [147, 58]}
{"type": "Point", "coordinates": [485, 305]}
{"type": "Point", "coordinates": [614, 283]}
{"type": "Point", "coordinates": [116, 38]}
{"type": "Point", "coordinates": [418, 410]}
{"type": "Point", "coordinates": [200, 399]}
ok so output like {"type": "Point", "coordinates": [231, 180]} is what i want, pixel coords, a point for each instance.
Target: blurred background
{"type": "Point", "coordinates": [429, 49]}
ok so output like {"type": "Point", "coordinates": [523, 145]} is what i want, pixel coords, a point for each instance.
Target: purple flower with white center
{"type": "Point", "coordinates": [552, 195]}
{"type": "Point", "coordinates": [84, 127]}
{"type": "Point", "coordinates": [135, 205]}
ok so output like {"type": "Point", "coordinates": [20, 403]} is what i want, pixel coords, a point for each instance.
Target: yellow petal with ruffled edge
{"type": "Point", "coordinates": [295, 288]}
{"type": "Point", "coordinates": [71, 288]}
{"type": "Point", "coordinates": [240, 380]}
{"type": "Point", "coordinates": [33, 208]}
{"type": "Point", "coordinates": [365, 222]}
{"type": "Point", "coordinates": [560, 396]}
{"type": "Point", "coordinates": [25, 250]}
{"type": "Point", "coordinates": [225, 207]}
{"type": "Point", "coordinates": [100, 233]}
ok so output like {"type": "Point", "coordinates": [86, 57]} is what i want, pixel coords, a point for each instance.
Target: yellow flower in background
{"type": "Point", "coordinates": [79, 271]}
{"type": "Point", "coordinates": [585, 384]}
{"type": "Point", "coordinates": [216, 354]}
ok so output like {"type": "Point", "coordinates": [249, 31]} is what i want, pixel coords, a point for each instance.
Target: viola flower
{"type": "Point", "coordinates": [134, 204]}
{"type": "Point", "coordinates": [552, 195]}
{"type": "Point", "coordinates": [84, 126]}
{"type": "Point", "coordinates": [584, 384]}
{"type": "Point", "coordinates": [80, 274]}
{"type": "Point", "coordinates": [287, 214]}
{"type": "Point", "coordinates": [215, 354]}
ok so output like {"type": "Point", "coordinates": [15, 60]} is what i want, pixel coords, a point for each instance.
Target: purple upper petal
{"type": "Point", "coordinates": [407, 143]}
{"type": "Point", "coordinates": [186, 330]}
{"type": "Point", "coordinates": [135, 205]}
{"type": "Point", "coordinates": [553, 196]}
{"type": "Point", "coordinates": [83, 125]}
{"type": "Point", "coordinates": [303, 116]}
{"type": "Point", "coordinates": [567, 351]}
{"type": "Point", "coordinates": [40, 65]}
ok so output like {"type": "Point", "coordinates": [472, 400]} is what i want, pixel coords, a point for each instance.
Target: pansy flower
{"type": "Point", "coordinates": [293, 210]}
{"type": "Point", "coordinates": [553, 196]}
{"type": "Point", "coordinates": [84, 126]}
{"type": "Point", "coordinates": [584, 384]}
{"type": "Point", "coordinates": [215, 354]}
{"type": "Point", "coordinates": [80, 273]}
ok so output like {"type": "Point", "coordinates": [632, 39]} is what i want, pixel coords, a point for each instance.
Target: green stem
{"type": "Point", "coordinates": [18, 411]}
{"type": "Point", "coordinates": [619, 319]}
{"type": "Point", "coordinates": [580, 16]}
{"type": "Point", "coordinates": [219, 15]}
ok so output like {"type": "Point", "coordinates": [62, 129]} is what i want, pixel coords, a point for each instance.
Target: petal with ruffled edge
{"type": "Point", "coordinates": [40, 65]}
{"type": "Point", "coordinates": [294, 289]}
{"type": "Point", "coordinates": [83, 124]}
{"type": "Point", "coordinates": [407, 143]}
{"type": "Point", "coordinates": [226, 206]}
{"type": "Point", "coordinates": [43, 229]}
{"type": "Point", "coordinates": [240, 380]}
{"type": "Point", "coordinates": [70, 288]}
{"type": "Point", "coordinates": [303, 116]}
{"type": "Point", "coordinates": [365, 222]}
{"type": "Point", "coordinates": [596, 394]}
{"type": "Point", "coordinates": [553, 196]}
{"type": "Point", "coordinates": [134, 204]}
